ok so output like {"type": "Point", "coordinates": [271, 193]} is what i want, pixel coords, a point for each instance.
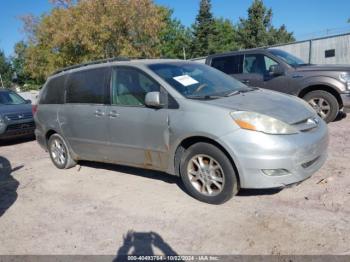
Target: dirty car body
{"type": "Point", "coordinates": [124, 123]}
{"type": "Point", "coordinates": [16, 118]}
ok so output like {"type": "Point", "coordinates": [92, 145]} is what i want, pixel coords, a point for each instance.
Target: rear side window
{"type": "Point", "coordinates": [54, 91]}
{"type": "Point", "coordinates": [228, 64]}
{"type": "Point", "coordinates": [88, 87]}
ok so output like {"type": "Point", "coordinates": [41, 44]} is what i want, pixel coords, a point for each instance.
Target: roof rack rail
{"type": "Point", "coordinates": [100, 61]}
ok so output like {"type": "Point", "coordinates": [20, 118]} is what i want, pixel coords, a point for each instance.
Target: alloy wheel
{"type": "Point", "coordinates": [321, 106]}
{"type": "Point", "coordinates": [58, 152]}
{"type": "Point", "coordinates": [206, 175]}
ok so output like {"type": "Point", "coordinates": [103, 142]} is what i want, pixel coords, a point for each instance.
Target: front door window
{"type": "Point", "coordinates": [130, 86]}
{"type": "Point", "coordinates": [257, 64]}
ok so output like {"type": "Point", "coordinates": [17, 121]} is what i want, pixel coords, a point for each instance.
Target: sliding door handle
{"type": "Point", "coordinates": [113, 114]}
{"type": "Point", "coordinates": [99, 113]}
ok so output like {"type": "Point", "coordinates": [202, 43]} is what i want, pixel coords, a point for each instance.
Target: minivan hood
{"type": "Point", "coordinates": [13, 109]}
{"type": "Point", "coordinates": [312, 67]}
{"type": "Point", "coordinates": [286, 108]}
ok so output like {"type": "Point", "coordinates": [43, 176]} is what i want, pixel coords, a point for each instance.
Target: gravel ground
{"type": "Point", "coordinates": [107, 209]}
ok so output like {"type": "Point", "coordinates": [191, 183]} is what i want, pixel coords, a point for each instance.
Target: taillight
{"type": "Point", "coordinates": [34, 109]}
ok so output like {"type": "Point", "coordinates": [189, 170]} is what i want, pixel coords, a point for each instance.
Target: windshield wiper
{"type": "Point", "coordinates": [204, 97]}
{"type": "Point", "coordinates": [236, 92]}
{"type": "Point", "coordinates": [233, 93]}
{"type": "Point", "coordinates": [251, 88]}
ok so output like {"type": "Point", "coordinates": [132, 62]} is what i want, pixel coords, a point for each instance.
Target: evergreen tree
{"type": "Point", "coordinates": [203, 30]}
{"type": "Point", "coordinates": [5, 71]}
{"type": "Point", "coordinates": [18, 62]}
{"type": "Point", "coordinates": [257, 30]}
{"type": "Point", "coordinates": [175, 38]}
{"type": "Point", "coordinates": [225, 36]}
{"type": "Point", "coordinates": [280, 36]}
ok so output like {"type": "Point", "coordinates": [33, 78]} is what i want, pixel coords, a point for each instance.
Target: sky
{"type": "Point", "coordinates": [306, 18]}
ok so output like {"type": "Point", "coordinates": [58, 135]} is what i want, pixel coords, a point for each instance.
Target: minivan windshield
{"type": "Point", "coordinates": [287, 57]}
{"type": "Point", "coordinates": [10, 98]}
{"type": "Point", "coordinates": [198, 81]}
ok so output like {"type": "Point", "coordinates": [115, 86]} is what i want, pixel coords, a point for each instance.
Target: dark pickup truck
{"type": "Point", "coordinates": [325, 87]}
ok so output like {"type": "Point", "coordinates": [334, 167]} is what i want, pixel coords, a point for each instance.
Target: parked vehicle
{"type": "Point", "coordinates": [325, 87]}
{"type": "Point", "coordinates": [183, 118]}
{"type": "Point", "coordinates": [16, 118]}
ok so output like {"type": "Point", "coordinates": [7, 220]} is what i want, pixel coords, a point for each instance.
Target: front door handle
{"type": "Point", "coordinates": [99, 113]}
{"type": "Point", "coordinates": [113, 114]}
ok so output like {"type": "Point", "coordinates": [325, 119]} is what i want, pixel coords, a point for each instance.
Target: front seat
{"type": "Point", "coordinates": [127, 91]}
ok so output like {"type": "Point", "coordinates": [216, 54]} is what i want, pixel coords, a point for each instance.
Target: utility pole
{"type": "Point", "coordinates": [2, 84]}
{"type": "Point", "coordinates": [184, 52]}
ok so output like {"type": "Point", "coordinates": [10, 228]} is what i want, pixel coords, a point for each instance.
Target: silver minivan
{"type": "Point", "coordinates": [182, 118]}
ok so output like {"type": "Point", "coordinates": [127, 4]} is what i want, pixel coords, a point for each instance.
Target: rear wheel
{"type": "Point", "coordinates": [59, 152]}
{"type": "Point", "coordinates": [324, 103]}
{"type": "Point", "coordinates": [208, 174]}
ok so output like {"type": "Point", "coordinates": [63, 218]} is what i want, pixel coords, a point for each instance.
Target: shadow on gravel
{"type": "Point", "coordinates": [259, 192]}
{"type": "Point", "coordinates": [341, 115]}
{"type": "Point", "coordinates": [143, 244]}
{"type": "Point", "coordinates": [152, 174]}
{"type": "Point", "coordinates": [15, 141]}
{"type": "Point", "coordinates": [168, 178]}
{"type": "Point", "coordinates": [8, 185]}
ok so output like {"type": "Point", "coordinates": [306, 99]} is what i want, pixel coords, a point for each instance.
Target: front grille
{"type": "Point", "coordinates": [19, 116]}
{"type": "Point", "coordinates": [22, 126]}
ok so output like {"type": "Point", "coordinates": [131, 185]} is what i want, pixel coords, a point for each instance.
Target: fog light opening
{"type": "Point", "coordinates": [275, 172]}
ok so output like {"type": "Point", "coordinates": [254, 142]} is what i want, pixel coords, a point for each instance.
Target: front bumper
{"type": "Point", "coordinates": [300, 154]}
{"type": "Point", "coordinates": [18, 129]}
{"type": "Point", "coordinates": [346, 101]}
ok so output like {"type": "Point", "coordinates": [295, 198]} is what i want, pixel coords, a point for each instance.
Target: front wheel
{"type": "Point", "coordinates": [324, 103]}
{"type": "Point", "coordinates": [208, 174]}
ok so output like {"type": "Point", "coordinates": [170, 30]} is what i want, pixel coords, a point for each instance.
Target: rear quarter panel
{"type": "Point", "coordinates": [46, 119]}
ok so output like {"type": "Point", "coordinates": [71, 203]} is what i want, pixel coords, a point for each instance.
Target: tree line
{"type": "Point", "coordinates": [83, 30]}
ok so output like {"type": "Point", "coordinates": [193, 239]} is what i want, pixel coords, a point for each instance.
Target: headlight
{"type": "Point", "coordinates": [345, 77]}
{"type": "Point", "coordinates": [262, 123]}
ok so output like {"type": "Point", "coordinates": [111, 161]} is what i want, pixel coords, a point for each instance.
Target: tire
{"type": "Point", "coordinates": [59, 153]}
{"type": "Point", "coordinates": [321, 101]}
{"type": "Point", "coordinates": [199, 182]}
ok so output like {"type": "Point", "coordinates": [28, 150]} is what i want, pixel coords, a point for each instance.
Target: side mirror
{"type": "Point", "coordinates": [154, 99]}
{"type": "Point", "coordinates": [276, 70]}
{"type": "Point", "coordinates": [28, 101]}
